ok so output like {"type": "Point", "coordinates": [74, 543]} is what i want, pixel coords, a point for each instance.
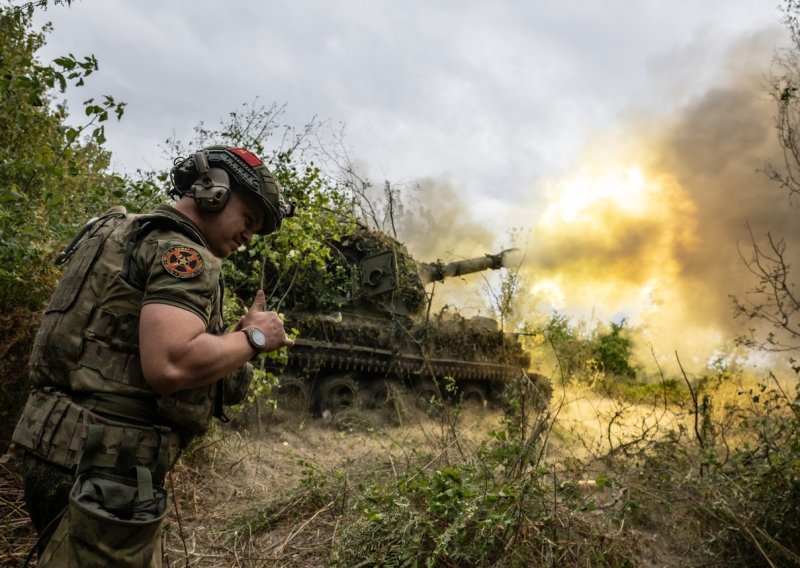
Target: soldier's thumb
{"type": "Point", "coordinates": [258, 303]}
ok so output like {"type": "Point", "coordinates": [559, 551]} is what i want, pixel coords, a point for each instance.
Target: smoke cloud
{"type": "Point", "coordinates": [442, 226]}
{"type": "Point", "coordinates": [651, 225]}
{"type": "Point", "coordinates": [654, 228]}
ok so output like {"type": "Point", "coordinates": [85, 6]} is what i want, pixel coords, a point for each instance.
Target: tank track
{"type": "Point", "coordinates": [312, 356]}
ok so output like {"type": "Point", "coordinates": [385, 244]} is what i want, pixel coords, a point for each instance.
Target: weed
{"type": "Point", "coordinates": [669, 391]}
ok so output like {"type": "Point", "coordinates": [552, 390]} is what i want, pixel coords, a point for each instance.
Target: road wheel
{"type": "Point", "coordinates": [386, 396]}
{"type": "Point", "coordinates": [474, 395]}
{"type": "Point", "coordinates": [380, 392]}
{"type": "Point", "coordinates": [335, 394]}
{"type": "Point", "coordinates": [428, 397]}
{"type": "Point", "coordinates": [293, 395]}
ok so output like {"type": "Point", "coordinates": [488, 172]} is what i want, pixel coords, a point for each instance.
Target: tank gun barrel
{"type": "Point", "coordinates": [438, 271]}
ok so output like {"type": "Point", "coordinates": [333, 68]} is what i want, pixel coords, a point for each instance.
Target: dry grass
{"type": "Point", "coordinates": [617, 485]}
{"type": "Point", "coordinates": [17, 535]}
{"type": "Point", "coordinates": [278, 498]}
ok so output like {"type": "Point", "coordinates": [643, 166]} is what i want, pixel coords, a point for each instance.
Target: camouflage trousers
{"type": "Point", "coordinates": [46, 492]}
{"type": "Point", "coordinates": [108, 519]}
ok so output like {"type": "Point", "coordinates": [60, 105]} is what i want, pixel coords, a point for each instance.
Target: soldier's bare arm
{"type": "Point", "coordinates": [177, 353]}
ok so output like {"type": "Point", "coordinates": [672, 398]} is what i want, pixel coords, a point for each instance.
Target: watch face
{"type": "Point", "coordinates": [258, 337]}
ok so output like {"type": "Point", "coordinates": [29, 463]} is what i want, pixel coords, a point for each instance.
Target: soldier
{"type": "Point", "coordinates": [132, 359]}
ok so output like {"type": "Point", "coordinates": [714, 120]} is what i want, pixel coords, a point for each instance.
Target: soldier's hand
{"type": "Point", "coordinates": [268, 322]}
{"type": "Point", "coordinates": [258, 303]}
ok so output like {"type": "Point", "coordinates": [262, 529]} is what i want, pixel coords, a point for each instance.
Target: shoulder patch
{"type": "Point", "coordinates": [182, 262]}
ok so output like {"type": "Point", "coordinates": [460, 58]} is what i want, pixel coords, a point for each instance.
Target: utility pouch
{"type": "Point", "coordinates": [189, 410]}
{"type": "Point", "coordinates": [236, 385]}
{"type": "Point", "coordinates": [51, 426]}
{"type": "Point", "coordinates": [57, 429]}
{"type": "Point", "coordinates": [111, 520]}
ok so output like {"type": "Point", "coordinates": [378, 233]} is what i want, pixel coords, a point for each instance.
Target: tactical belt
{"type": "Point", "coordinates": [57, 429]}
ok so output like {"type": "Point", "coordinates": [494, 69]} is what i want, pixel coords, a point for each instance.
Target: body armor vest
{"type": "Point", "coordinates": [87, 345]}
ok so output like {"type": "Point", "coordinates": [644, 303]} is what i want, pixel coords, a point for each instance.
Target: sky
{"type": "Point", "coordinates": [620, 139]}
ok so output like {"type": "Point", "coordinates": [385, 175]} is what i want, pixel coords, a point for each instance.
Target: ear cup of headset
{"type": "Point", "coordinates": [210, 187]}
{"type": "Point", "coordinates": [211, 190]}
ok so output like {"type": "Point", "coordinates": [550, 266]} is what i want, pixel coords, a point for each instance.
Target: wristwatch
{"type": "Point", "coordinates": [256, 338]}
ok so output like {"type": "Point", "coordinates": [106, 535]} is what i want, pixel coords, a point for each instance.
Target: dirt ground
{"type": "Point", "coordinates": [251, 473]}
{"type": "Point", "coordinates": [238, 472]}
{"type": "Point", "coordinates": [236, 495]}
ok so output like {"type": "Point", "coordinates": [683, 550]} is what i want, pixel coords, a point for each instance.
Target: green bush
{"type": "Point", "coordinates": [614, 350]}
{"type": "Point", "coordinates": [757, 491]}
{"type": "Point", "coordinates": [54, 179]}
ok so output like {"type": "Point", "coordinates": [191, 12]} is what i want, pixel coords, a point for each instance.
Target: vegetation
{"type": "Point", "coordinates": [586, 353]}
{"type": "Point", "coordinates": [509, 489]}
{"type": "Point", "coordinates": [55, 176]}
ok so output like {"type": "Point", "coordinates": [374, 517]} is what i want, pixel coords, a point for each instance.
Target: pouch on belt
{"type": "Point", "coordinates": [111, 520]}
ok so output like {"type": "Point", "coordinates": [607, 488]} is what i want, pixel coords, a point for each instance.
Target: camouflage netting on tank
{"type": "Point", "coordinates": [451, 336]}
{"type": "Point", "coordinates": [363, 243]}
{"type": "Point", "coordinates": [337, 285]}
{"type": "Point", "coordinates": [448, 337]}
{"type": "Point", "coordinates": [352, 330]}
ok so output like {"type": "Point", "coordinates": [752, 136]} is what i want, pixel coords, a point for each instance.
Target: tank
{"type": "Point", "coordinates": [381, 337]}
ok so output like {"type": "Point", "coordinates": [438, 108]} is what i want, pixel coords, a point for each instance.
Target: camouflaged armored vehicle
{"type": "Point", "coordinates": [383, 338]}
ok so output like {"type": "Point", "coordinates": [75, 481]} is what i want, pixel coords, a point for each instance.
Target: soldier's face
{"type": "Point", "coordinates": [235, 225]}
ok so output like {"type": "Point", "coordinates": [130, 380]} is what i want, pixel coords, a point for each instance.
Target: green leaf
{"type": "Point", "coordinates": [66, 62]}
{"type": "Point", "coordinates": [9, 195]}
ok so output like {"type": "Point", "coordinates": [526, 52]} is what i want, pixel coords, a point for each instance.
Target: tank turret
{"type": "Point", "coordinates": [379, 335]}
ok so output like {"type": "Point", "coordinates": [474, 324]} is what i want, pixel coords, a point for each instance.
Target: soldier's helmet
{"type": "Point", "coordinates": [208, 176]}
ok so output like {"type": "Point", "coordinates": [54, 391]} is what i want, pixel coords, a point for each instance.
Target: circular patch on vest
{"type": "Point", "coordinates": [182, 262]}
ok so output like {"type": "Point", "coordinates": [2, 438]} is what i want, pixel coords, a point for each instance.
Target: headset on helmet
{"type": "Point", "coordinates": [207, 176]}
